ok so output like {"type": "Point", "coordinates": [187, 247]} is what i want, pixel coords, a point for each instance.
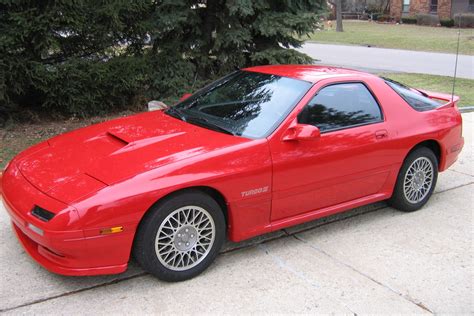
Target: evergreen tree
{"type": "Point", "coordinates": [220, 35]}
{"type": "Point", "coordinates": [85, 57]}
{"type": "Point", "coordinates": [72, 57]}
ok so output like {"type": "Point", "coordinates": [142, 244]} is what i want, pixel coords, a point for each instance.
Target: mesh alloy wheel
{"type": "Point", "coordinates": [418, 180]}
{"type": "Point", "coordinates": [180, 236]}
{"type": "Point", "coordinates": [185, 238]}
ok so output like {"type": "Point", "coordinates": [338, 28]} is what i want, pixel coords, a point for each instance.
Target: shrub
{"type": "Point", "coordinates": [409, 20]}
{"type": "Point", "coordinates": [82, 87]}
{"type": "Point", "coordinates": [446, 22]}
{"type": "Point", "coordinates": [383, 18]}
{"type": "Point", "coordinates": [464, 19]}
{"type": "Point", "coordinates": [427, 19]}
{"type": "Point", "coordinates": [376, 7]}
{"type": "Point", "coordinates": [377, 15]}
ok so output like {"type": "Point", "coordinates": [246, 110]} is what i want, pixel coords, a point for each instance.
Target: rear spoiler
{"type": "Point", "coordinates": [450, 101]}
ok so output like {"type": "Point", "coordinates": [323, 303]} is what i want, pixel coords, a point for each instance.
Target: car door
{"type": "Point", "coordinates": [348, 161]}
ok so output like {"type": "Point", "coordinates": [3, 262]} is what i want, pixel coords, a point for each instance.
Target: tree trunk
{"type": "Point", "coordinates": [339, 16]}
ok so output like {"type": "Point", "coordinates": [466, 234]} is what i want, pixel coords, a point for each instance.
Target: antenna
{"type": "Point", "coordinates": [456, 63]}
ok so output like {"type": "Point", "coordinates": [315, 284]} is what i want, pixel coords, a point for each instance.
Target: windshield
{"type": "Point", "coordinates": [244, 103]}
{"type": "Point", "coordinates": [415, 98]}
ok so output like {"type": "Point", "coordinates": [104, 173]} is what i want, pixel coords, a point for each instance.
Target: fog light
{"type": "Point", "coordinates": [35, 229]}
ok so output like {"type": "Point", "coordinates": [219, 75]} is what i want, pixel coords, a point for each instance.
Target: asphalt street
{"type": "Point", "coordinates": [390, 60]}
{"type": "Point", "coordinates": [370, 260]}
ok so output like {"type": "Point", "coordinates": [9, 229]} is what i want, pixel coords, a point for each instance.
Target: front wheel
{"type": "Point", "coordinates": [416, 180]}
{"type": "Point", "coordinates": [180, 237]}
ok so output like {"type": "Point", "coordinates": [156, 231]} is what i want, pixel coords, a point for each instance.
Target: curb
{"type": "Point", "coordinates": [466, 109]}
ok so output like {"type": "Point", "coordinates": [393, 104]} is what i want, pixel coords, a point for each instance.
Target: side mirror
{"type": "Point", "coordinates": [185, 96]}
{"type": "Point", "coordinates": [302, 132]}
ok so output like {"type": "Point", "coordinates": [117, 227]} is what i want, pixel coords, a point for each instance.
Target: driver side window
{"type": "Point", "coordinates": [341, 106]}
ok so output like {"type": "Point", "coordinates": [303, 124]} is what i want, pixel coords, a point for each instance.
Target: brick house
{"type": "Point", "coordinates": [444, 9]}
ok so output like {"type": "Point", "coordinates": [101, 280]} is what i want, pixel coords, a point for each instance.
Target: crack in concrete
{"type": "Point", "coordinates": [41, 300]}
{"type": "Point", "coordinates": [286, 235]}
{"type": "Point", "coordinates": [464, 173]}
{"type": "Point", "coordinates": [406, 297]}
{"type": "Point", "coordinates": [454, 188]}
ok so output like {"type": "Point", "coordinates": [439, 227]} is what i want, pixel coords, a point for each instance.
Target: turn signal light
{"type": "Point", "coordinates": [111, 230]}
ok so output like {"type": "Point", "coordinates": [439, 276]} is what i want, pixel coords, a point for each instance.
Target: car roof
{"type": "Point", "coordinates": [311, 73]}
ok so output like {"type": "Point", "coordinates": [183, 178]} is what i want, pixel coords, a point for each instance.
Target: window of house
{"type": "Point", "coordinates": [434, 6]}
{"type": "Point", "coordinates": [340, 106]}
{"type": "Point", "coordinates": [406, 6]}
{"type": "Point", "coordinates": [470, 8]}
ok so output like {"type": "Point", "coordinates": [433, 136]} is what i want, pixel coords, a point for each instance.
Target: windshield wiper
{"type": "Point", "coordinates": [176, 113]}
{"type": "Point", "coordinates": [206, 123]}
{"type": "Point", "coordinates": [197, 120]}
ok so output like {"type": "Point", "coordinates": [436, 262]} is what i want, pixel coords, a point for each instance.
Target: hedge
{"type": "Point", "coordinates": [427, 19]}
{"type": "Point", "coordinates": [409, 20]}
{"type": "Point", "coordinates": [464, 20]}
{"type": "Point", "coordinates": [446, 22]}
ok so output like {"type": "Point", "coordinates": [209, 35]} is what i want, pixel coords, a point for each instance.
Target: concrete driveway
{"type": "Point", "coordinates": [370, 260]}
{"type": "Point", "coordinates": [390, 60]}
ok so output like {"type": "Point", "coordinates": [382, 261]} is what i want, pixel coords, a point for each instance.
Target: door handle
{"type": "Point", "coordinates": [381, 134]}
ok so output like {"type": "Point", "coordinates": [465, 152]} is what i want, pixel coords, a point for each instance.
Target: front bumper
{"type": "Point", "coordinates": [48, 259]}
{"type": "Point", "coordinates": [66, 252]}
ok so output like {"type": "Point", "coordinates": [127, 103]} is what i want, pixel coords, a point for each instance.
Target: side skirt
{"type": "Point", "coordinates": [327, 211]}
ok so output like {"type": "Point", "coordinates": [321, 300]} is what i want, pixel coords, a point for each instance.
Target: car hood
{"type": "Point", "coordinates": [75, 164]}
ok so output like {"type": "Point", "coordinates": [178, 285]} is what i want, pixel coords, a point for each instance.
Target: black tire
{"type": "Point", "coordinates": [146, 237]}
{"type": "Point", "coordinates": [399, 199]}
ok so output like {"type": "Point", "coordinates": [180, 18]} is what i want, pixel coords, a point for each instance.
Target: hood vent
{"type": "Point", "coordinates": [117, 138]}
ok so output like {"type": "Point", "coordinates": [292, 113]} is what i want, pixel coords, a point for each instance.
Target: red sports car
{"type": "Point", "coordinates": [261, 149]}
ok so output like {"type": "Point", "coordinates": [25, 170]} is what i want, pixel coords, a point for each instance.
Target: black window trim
{"type": "Point", "coordinates": [382, 114]}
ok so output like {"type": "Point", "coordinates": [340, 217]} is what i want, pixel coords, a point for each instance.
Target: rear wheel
{"type": "Point", "coordinates": [416, 180]}
{"type": "Point", "coordinates": [180, 237]}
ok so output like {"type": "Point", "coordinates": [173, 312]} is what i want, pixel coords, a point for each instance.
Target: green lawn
{"type": "Point", "coordinates": [411, 37]}
{"type": "Point", "coordinates": [464, 87]}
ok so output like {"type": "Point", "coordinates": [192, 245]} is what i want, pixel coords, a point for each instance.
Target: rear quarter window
{"type": "Point", "coordinates": [414, 98]}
